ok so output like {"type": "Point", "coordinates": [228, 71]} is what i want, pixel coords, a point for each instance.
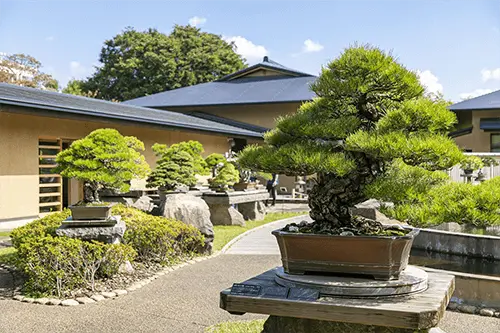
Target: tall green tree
{"type": "Point", "coordinates": [24, 70]}
{"type": "Point", "coordinates": [370, 111]}
{"type": "Point", "coordinates": [136, 64]}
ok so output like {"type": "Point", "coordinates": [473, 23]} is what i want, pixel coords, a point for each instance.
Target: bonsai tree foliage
{"type": "Point", "coordinates": [227, 175]}
{"type": "Point", "coordinates": [103, 159]}
{"type": "Point", "coordinates": [192, 147]}
{"type": "Point", "coordinates": [369, 111]}
{"type": "Point", "coordinates": [471, 163]}
{"type": "Point", "coordinates": [173, 170]}
{"type": "Point", "coordinates": [213, 160]}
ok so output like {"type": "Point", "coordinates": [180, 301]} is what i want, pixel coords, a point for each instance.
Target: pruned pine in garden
{"type": "Point", "coordinates": [370, 111]}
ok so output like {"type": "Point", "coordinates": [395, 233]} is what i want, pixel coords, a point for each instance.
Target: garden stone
{"type": "Point", "coordinates": [497, 314]}
{"type": "Point", "coordinates": [108, 294]}
{"type": "Point", "coordinates": [254, 211]}
{"type": "Point", "coordinates": [69, 302]}
{"type": "Point", "coordinates": [226, 215]}
{"type": "Point", "coordinates": [120, 292]}
{"type": "Point", "coordinates": [85, 300]}
{"type": "Point", "coordinates": [467, 309]}
{"type": "Point", "coordinates": [98, 297]}
{"type": "Point", "coordinates": [54, 301]}
{"type": "Point", "coordinates": [144, 203]}
{"type": "Point", "coordinates": [28, 300]}
{"type": "Point", "coordinates": [190, 210]}
{"type": "Point", "coordinates": [452, 306]}
{"type": "Point", "coordinates": [41, 301]}
{"type": "Point", "coordinates": [19, 297]}
{"type": "Point", "coordinates": [487, 312]}
{"type": "Point", "coordinates": [106, 234]}
{"type": "Point", "coordinates": [126, 267]}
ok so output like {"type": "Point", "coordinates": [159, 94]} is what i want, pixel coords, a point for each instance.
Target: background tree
{"type": "Point", "coordinates": [24, 70]}
{"type": "Point", "coordinates": [370, 111]}
{"type": "Point", "coordinates": [136, 64]}
{"type": "Point", "coordinates": [103, 159]}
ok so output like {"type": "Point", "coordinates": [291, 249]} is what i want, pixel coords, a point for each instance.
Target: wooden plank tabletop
{"type": "Point", "coordinates": [416, 311]}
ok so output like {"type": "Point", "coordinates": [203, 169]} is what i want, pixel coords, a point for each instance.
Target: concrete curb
{"type": "Point", "coordinates": [237, 238]}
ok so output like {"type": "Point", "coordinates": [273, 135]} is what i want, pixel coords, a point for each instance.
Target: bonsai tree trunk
{"type": "Point", "coordinates": [90, 192]}
{"type": "Point", "coordinates": [332, 196]}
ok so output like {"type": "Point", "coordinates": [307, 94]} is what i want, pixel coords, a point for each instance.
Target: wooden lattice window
{"type": "Point", "coordinates": [50, 184]}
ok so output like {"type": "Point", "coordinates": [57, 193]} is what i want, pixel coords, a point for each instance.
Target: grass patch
{"type": "Point", "coordinates": [4, 233]}
{"type": "Point", "coordinates": [250, 326]}
{"type": "Point", "coordinates": [224, 233]}
{"type": "Point", "coordinates": [6, 255]}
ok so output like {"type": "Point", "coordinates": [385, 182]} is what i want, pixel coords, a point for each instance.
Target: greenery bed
{"type": "Point", "coordinates": [60, 266]}
{"type": "Point", "coordinates": [225, 233]}
{"type": "Point", "coordinates": [250, 326]}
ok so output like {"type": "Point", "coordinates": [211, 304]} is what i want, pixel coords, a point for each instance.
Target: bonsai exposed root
{"type": "Point", "coordinates": [358, 226]}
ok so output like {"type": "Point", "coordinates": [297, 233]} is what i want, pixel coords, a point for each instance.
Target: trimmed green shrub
{"type": "Point", "coordinates": [39, 228]}
{"type": "Point", "coordinates": [191, 147]}
{"type": "Point", "coordinates": [227, 175]}
{"type": "Point", "coordinates": [158, 239]}
{"type": "Point", "coordinates": [58, 265]}
{"type": "Point", "coordinates": [454, 202]}
{"type": "Point", "coordinates": [172, 171]}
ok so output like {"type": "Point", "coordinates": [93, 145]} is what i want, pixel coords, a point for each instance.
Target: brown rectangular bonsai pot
{"type": "Point", "coordinates": [382, 257]}
{"type": "Point", "coordinates": [91, 212]}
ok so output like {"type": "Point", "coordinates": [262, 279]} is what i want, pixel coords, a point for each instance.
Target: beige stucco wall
{"type": "Point", "coordinates": [257, 114]}
{"type": "Point", "coordinates": [19, 152]}
{"type": "Point", "coordinates": [478, 140]}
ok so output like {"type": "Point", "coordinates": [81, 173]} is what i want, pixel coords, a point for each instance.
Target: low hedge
{"type": "Point", "coordinates": [478, 205]}
{"type": "Point", "coordinates": [57, 265]}
{"type": "Point", "coordinates": [158, 239]}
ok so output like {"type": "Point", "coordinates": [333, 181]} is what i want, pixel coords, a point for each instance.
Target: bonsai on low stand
{"type": "Point", "coordinates": [369, 111]}
{"type": "Point", "coordinates": [103, 159]}
{"type": "Point", "coordinates": [226, 176]}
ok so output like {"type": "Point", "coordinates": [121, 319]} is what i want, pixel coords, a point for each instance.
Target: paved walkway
{"type": "Point", "coordinates": [186, 300]}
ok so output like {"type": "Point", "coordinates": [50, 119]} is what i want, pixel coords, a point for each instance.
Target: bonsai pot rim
{"type": "Point", "coordinates": [411, 235]}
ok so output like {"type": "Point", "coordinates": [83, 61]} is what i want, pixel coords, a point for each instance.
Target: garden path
{"type": "Point", "coordinates": [186, 300]}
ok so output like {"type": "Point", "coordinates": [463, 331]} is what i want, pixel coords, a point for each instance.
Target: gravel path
{"type": "Point", "coordinates": [186, 300]}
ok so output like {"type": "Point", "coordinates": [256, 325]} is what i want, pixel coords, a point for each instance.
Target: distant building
{"type": "Point", "coordinates": [478, 127]}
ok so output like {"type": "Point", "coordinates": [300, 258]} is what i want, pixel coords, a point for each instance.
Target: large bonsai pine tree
{"type": "Point", "coordinates": [369, 111]}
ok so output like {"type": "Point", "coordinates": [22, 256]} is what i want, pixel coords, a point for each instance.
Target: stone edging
{"type": "Point", "coordinates": [101, 296]}
{"type": "Point", "coordinates": [240, 236]}
{"type": "Point", "coordinates": [471, 309]}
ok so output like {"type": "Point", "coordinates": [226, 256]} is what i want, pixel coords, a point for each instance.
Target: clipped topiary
{"type": "Point", "coordinates": [192, 147]}
{"type": "Point", "coordinates": [172, 171]}
{"type": "Point", "coordinates": [369, 111]}
{"type": "Point", "coordinates": [103, 159]}
{"type": "Point", "coordinates": [226, 176]}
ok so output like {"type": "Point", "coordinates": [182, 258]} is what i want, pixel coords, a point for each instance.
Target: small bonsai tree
{"type": "Point", "coordinates": [213, 161]}
{"type": "Point", "coordinates": [173, 170]}
{"type": "Point", "coordinates": [103, 159]}
{"type": "Point", "coordinates": [227, 175]}
{"type": "Point", "coordinates": [193, 148]}
{"type": "Point", "coordinates": [471, 163]}
{"type": "Point", "coordinates": [369, 111]}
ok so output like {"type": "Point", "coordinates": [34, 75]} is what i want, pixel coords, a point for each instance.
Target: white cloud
{"type": "Point", "coordinates": [50, 38]}
{"type": "Point", "coordinates": [196, 21]}
{"type": "Point", "coordinates": [77, 70]}
{"type": "Point", "coordinates": [490, 74]}
{"type": "Point", "coordinates": [247, 49]}
{"type": "Point", "coordinates": [430, 82]}
{"type": "Point", "coordinates": [475, 93]}
{"type": "Point", "coordinates": [311, 46]}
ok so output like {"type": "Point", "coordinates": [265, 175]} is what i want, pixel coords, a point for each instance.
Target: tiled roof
{"type": "Point", "coordinates": [228, 121]}
{"type": "Point", "coordinates": [484, 102]}
{"type": "Point", "coordinates": [245, 90]}
{"type": "Point", "coordinates": [63, 104]}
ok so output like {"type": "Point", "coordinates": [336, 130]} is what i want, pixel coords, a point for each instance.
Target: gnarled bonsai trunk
{"type": "Point", "coordinates": [332, 196]}
{"type": "Point", "coordinates": [90, 192]}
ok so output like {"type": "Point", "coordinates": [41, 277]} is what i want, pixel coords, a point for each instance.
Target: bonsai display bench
{"type": "Point", "coordinates": [248, 202]}
{"type": "Point", "coordinates": [306, 308]}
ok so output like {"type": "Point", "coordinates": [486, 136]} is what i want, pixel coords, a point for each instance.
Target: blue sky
{"type": "Point", "coordinates": [454, 44]}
